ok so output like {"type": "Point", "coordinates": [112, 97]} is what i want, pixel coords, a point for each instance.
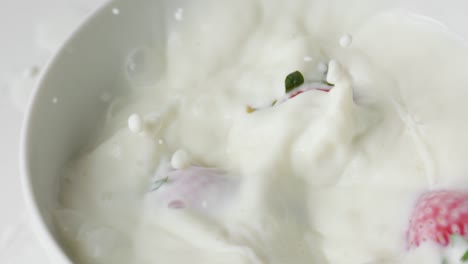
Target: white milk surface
{"type": "Point", "coordinates": [320, 178]}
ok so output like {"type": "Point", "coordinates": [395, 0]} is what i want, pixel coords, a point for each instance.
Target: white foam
{"type": "Point", "coordinates": [135, 123]}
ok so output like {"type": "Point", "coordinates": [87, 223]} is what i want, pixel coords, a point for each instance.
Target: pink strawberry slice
{"type": "Point", "coordinates": [437, 216]}
{"type": "Point", "coordinates": [198, 188]}
{"type": "Point", "coordinates": [296, 93]}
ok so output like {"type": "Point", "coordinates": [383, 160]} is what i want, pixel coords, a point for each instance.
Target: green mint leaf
{"type": "Point", "coordinates": [465, 257]}
{"type": "Point", "coordinates": [157, 184]}
{"type": "Point", "coordinates": [293, 80]}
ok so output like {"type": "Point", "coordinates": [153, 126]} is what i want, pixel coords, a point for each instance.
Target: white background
{"type": "Point", "coordinates": [30, 31]}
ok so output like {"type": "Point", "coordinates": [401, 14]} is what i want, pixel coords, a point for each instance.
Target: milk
{"type": "Point", "coordinates": [325, 177]}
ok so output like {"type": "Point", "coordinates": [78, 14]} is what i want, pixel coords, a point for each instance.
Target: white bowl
{"type": "Point", "coordinates": [67, 102]}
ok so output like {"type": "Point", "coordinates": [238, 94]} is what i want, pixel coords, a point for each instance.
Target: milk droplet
{"type": "Point", "coordinates": [181, 159]}
{"type": "Point", "coordinates": [308, 58]}
{"type": "Point", "coordinates": [141, 67]}
{"type": "Point", "coordinates": [135, 123]}
{"type": "Point", "coordinates": [346, 40]}
{"type": "Point", "coordinates": [115, 11]}
{"type": "Point", "coordinates": [179, 14]}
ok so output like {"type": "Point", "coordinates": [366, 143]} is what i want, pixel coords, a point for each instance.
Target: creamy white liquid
{"type": "Point", "coordinates": [321, 178]}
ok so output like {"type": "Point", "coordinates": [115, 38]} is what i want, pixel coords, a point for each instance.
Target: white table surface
{"type": "Point", "coordinates": [30, 31]}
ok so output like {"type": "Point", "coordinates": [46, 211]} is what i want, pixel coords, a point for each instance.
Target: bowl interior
{"type": "Point", "coordinates": [68, 105]}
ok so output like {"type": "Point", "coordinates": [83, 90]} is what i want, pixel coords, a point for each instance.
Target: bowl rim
{"type": "Point", "coordinates": [51, 246]}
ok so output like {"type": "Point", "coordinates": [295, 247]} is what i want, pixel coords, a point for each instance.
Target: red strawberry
{"type": "Point", "coordinates": [291, 94]}
{"type": "Point", "coordinates": [296, 93]}
{"type": "Point", "coordinates": [324, 89]}
{"type": "Point", "coordinates": [437, 216]}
